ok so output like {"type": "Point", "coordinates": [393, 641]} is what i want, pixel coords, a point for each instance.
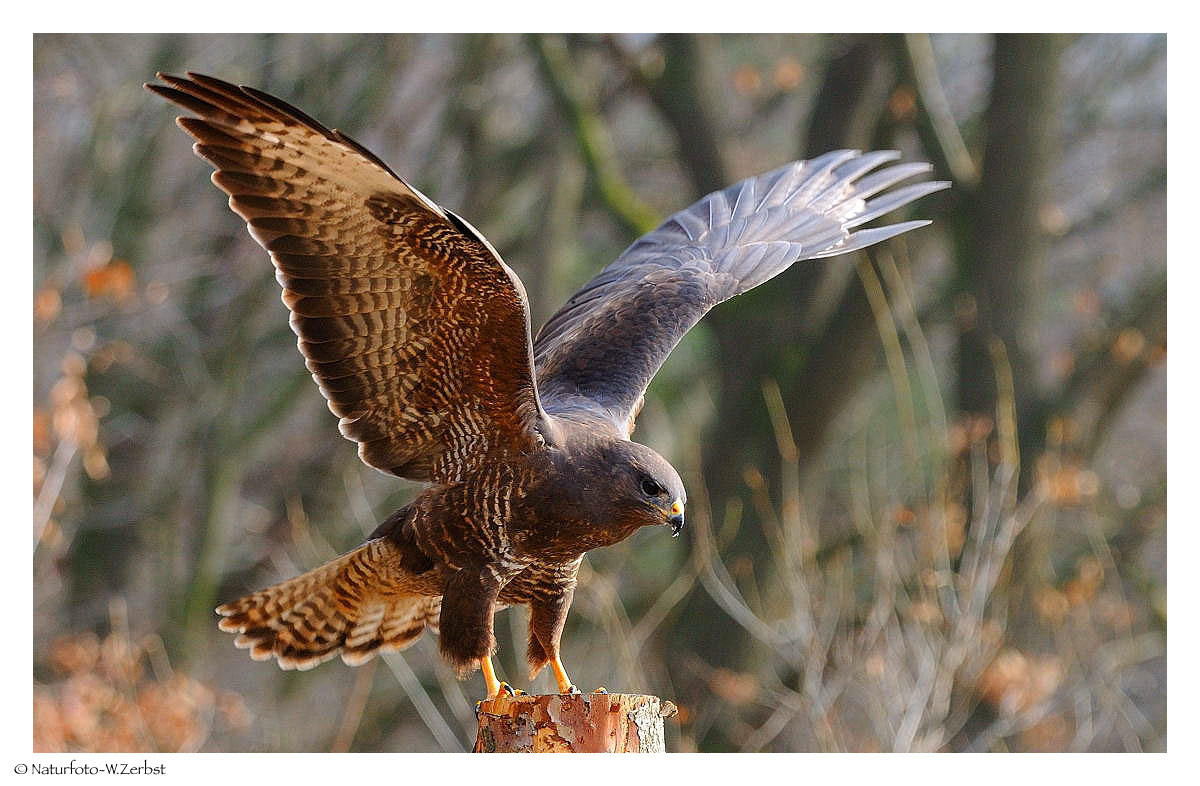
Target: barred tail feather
{"type": "Point", "coordinates": [355, 606]}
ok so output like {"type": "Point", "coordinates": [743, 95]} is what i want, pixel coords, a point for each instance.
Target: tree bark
{"type": "Point", "coordinates": [585, 723]}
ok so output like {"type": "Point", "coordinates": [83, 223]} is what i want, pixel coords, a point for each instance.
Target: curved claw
{"type": "Point", "coordinates": [494, 686]}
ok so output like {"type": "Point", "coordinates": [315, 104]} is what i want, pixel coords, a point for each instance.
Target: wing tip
{"type": "Point", "coordinates": [864, 238]}
{"type": "Point", "coordinates": [162, 76]}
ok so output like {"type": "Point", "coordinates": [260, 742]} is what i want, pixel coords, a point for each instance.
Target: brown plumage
{"type": "Point", "coordinates": [418, 336]}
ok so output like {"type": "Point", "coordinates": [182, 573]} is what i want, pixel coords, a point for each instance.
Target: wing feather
{"type": "Point", "coordinates": [412, 326]}
{"type": "Point", "coordinates": [597, 354]}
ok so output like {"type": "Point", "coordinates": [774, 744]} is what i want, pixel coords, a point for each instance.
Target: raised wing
{"type": "Point", "coordinates": [414, 329]}
{"type": "Point", "coordinates": [597, 354]}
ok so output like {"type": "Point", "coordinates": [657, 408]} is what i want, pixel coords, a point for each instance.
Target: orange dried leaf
{"type": "Point", "coordinates": [902, 105]}
{"type": "Point", "coordinates": [734, 687]}
{"type": "Point", "coordinates": [41, 432]}
{"type": "Point", "coordinates": [47, 304]}
{"type": "Point", "coordinates": [1128, 346]}
{"type": "Point", "coordinates": [747, 80]}
{"type": "Point", "coordinates": [75, 654]}
{"type": "Point", "coordinates": [788, 74]}
{"type": "Point", "coordinates": [1052, 606]}
{"type": "Point", "coordinates": [114, 280]}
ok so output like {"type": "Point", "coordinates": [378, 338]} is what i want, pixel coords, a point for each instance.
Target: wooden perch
{"type": "Point", "coordinates": [584, 723]}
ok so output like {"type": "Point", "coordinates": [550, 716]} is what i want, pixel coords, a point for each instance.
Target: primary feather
{"type": "Point", "coordinates": [598, 353]}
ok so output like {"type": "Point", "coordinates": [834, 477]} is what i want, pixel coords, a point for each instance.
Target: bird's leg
{"type": "Point", "coordinates": [560, 676]}
{"type": "Point", "coordinates": [547, 615]}
{"type": "Point", "coordinates": [489, 677]}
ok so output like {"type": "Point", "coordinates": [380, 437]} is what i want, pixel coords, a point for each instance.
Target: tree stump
{"type": "Point", "coordinates": [582, 723]}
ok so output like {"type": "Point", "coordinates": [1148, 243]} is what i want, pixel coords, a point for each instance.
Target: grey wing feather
{"type": "Point", "coordinates": [597, 354]}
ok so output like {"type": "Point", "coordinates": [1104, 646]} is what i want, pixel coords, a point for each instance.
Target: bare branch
{"type": "Point", "coordinates": [595, 144]}
{"type": "Point", "coordinates": [943, 139]}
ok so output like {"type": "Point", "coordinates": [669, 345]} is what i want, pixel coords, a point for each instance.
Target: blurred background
{"type": "Point", "coordinates": [927, 483]}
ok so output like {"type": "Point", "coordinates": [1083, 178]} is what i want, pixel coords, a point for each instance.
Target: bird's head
{"type": "Point", "coordinates": [643, 486]}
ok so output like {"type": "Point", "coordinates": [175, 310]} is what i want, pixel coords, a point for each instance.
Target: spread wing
{"type": "Point", "coordinates": [598, 353]}
{"type": "Point", "coordinates": [414, 329]}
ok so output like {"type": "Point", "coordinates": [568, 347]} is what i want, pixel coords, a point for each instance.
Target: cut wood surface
{"type": "Point", "coordinates": [581, 723]}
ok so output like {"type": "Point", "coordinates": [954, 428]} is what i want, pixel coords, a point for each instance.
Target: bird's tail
{"type": "Point", "coordinates": [355, 606]}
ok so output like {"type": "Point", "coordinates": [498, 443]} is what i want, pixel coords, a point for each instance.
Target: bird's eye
{"type": "Point", "coordinates": [651, 488]}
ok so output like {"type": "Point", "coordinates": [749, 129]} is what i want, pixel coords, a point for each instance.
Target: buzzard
{"type": "Point", "coordinates": [418, 335]}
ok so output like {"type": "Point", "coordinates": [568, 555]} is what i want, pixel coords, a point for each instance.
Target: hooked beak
{"type": "Point", "coordinates": [675, 518]}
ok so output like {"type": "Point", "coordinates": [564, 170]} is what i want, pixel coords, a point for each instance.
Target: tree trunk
{"type": "Point", "coordinates": [1005, 248]}
{"type": "Point", "coordinates": [585, 723]}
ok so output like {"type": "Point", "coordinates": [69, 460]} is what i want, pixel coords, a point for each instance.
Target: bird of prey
{"type": "Point", "coordinates": [418, 335]}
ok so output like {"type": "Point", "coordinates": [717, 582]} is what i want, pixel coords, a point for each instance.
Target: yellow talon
{"type": "Point", "coordinates": [495, 686]}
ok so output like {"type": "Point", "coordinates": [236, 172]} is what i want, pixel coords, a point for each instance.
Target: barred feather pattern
{"type": "Point", "coordinates": [414, 329]}
{"type": "Point", "coordinates": [355, 606]}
